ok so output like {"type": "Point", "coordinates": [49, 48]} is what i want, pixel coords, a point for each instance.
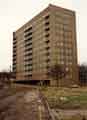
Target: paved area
{"type": "Point", "coordinates": [22, 106]}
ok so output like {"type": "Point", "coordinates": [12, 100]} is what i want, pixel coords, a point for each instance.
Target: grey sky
{"type": "Point", "coordinates": [15, 13]}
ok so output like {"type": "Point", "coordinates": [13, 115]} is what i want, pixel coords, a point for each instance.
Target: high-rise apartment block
{"type": "Point", "coordinates": [46, 40]}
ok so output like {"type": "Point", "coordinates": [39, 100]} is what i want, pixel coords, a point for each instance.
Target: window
{"type": "Point", "coordinates": [29, 39]}
{"type": "Point", "coordinates": [47, 29]}
{"type": "Point", "coordinates": [47, 48]}
{"type": "Point", "coordinates": [28, 29]}
{"type": "Point", "coordinates": [28, 49]}
{"type": "Point", "coordinates": [14, 38]}
{"type": "Point", "coordinates": [47, 54]}
{"type": "Point", "coordinates": [30, 33]}
{"type": "Point", "coordinates": [28, 65]}
{"type": "Point", "coordinates": [47, 23]}
{"type": "Point", "coordinates": [47, 41]}
{"type": "Point", "coordinates": [47, 17]}
{"type": "Point", "coordinates": [14, 42]}
{"type": "Point", "coordinates": [28, 44]}
{"type": "Point", "coordinates": [47, 67]}
{"type": "Point", "coordinates": [28, 54]}
{"type": "Point", "coordinates": [47, 60]}
{"type": "Point", "coordinates": [47, 35]}
{"type": "Point", "coordinates": [14, 46]}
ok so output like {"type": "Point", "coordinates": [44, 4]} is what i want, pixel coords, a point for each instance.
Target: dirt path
{"type": "Point", "coordinates": [23, 106]}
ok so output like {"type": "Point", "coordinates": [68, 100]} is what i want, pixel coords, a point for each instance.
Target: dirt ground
{"type": "Point", "coordinates": [22, 103]}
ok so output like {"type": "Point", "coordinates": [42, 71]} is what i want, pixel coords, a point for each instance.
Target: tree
{"type": "Point", "coordinates": [5, 77]}
{"type": "Point", "coordinates": [57, 72]}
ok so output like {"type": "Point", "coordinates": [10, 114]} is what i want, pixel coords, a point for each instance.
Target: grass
{"type": "Point", "coordinates": [66, 98]}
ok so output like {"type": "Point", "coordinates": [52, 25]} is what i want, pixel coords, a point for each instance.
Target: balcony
{"type": "Point", "coordinates": [47, 35]}
{"type": "Point", "coordinates": [28, 29]}
{"type": "Point", "coordinates": [28, 34]}
{"type": "Point", "coordinates": [47, 17]}
{"type": "Point", "coordinates": [47, 41]}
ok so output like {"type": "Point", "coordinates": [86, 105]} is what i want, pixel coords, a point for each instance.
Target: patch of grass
{"type": "Point", "coordinates": [75, 98]}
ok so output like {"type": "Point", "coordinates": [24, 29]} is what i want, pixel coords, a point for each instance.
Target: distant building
{"type": "Point", "coordinates": [5, 77]}
{"type": "Point", "coordinates": [83, 75]}
{"type": "Point", "coordinates": [47, 39]}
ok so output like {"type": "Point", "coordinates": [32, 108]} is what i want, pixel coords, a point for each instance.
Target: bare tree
{"type": "Point", "coordinates": [57, 72]}
{"type": "Point", "coordinates": [5, 77]}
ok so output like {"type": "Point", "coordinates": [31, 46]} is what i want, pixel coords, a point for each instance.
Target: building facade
{"type": "Point", "coordinates": [47, 39]}
{"type": "Point", "coordinates": [83, 75]}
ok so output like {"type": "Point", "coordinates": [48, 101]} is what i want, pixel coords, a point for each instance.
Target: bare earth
{"type": "Point", "coordinates": [22, 106]}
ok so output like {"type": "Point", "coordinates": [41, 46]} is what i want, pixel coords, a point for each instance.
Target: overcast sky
{"type": "Point", "coordinates": [15, 13]}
